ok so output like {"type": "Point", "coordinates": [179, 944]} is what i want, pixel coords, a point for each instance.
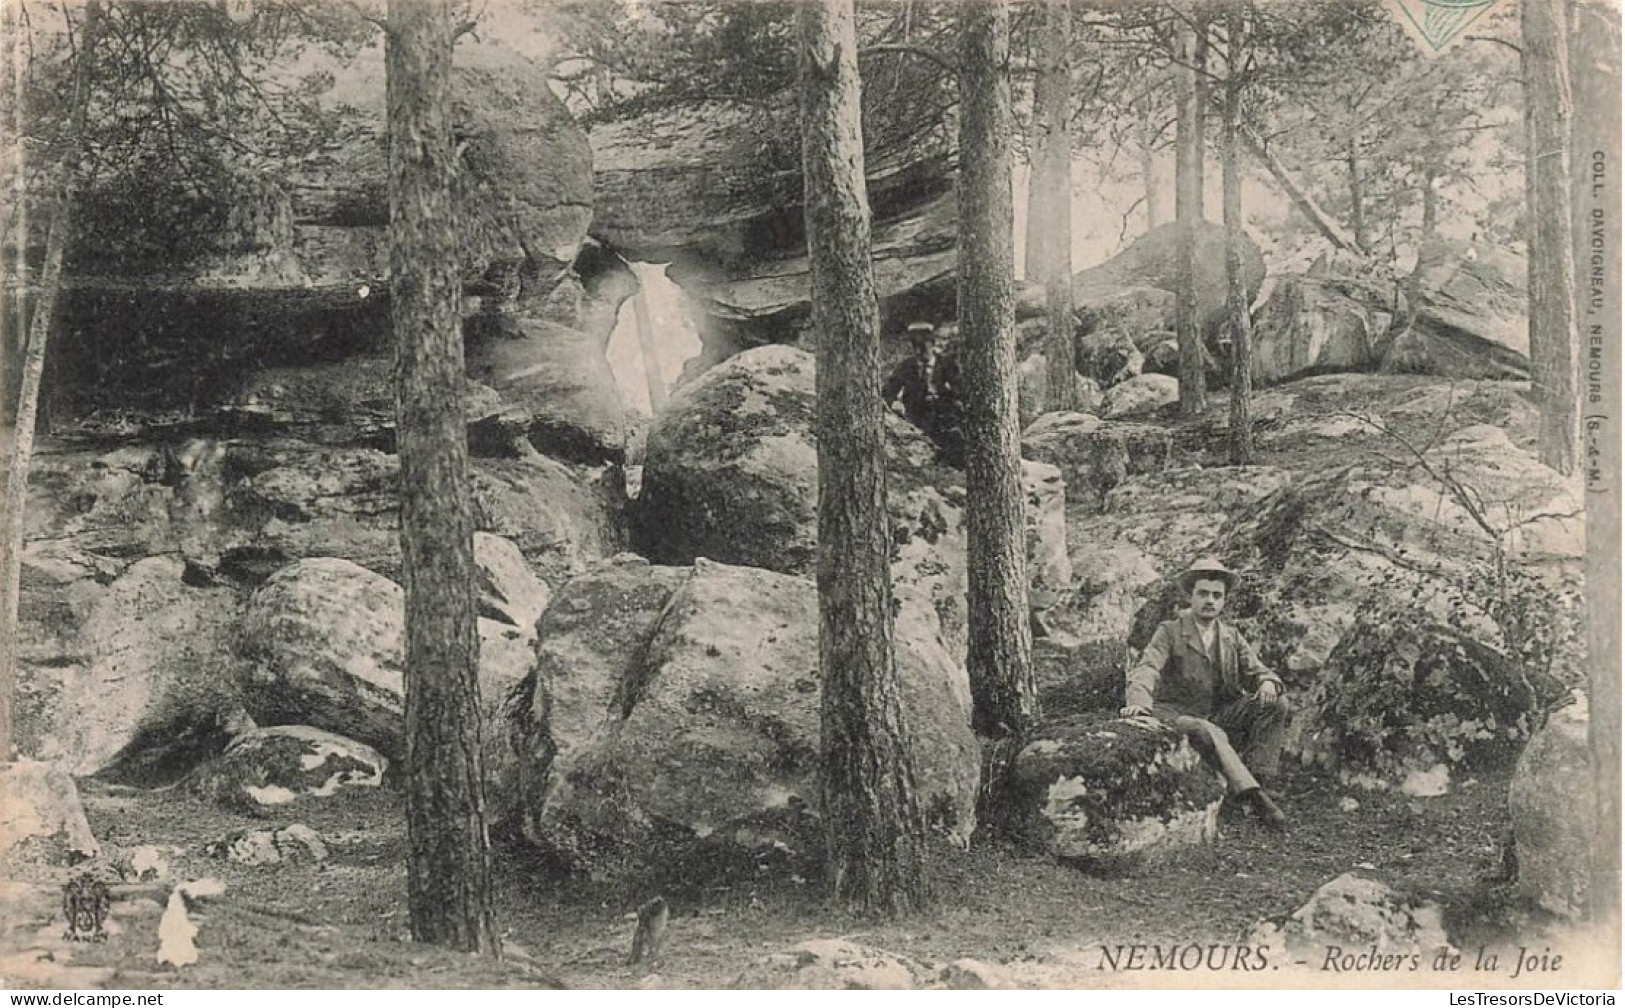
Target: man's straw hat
{"type": "Point", "coordinates": [1208, 569]}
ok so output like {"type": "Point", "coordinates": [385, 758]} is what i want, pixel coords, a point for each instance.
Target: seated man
{"type": "Point", "coordinates": [926, 385]}
{"type": "Point", "coordinates": [1200, 676]}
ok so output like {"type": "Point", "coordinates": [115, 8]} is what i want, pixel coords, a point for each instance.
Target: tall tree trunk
{"type": "Point", "coordinates": [1594, 69]}
{"type": "Point", "coordinates": [1410, 304]}
{"type": "Point", "coordinates": [449, 860]}
{"type": "Point", "coordinates": [1192, 54]}
{"type": "Point", "coordinates": [58, 237]}
{"type": "Point", "coordinates": [1000, 655]}
{"type": "Point", "coordinates": [1241, 325]}
{"type": "Point", "coordinates": [1553, 340]}
{"type": "Point", "coordinates": [874, 827]}
{"type": "Point", "coordinates": [1154, 212]}
{"type": "Point", "coordinates": [1052, 99]}
{"type": "Point", "coordinates": [1357, 222]}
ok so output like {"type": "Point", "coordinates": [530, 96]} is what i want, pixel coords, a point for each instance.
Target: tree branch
{"type": "Point", "coordinates": [902, 49]}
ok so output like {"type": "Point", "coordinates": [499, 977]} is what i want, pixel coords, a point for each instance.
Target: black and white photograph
{"type": "Point", "coordinates": [810, 495]}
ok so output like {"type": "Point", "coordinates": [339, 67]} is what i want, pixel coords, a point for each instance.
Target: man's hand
{"type": "Point", "coordinates": [1141, 717]}
{"type": "Point", "coordinates": [1269, 690]}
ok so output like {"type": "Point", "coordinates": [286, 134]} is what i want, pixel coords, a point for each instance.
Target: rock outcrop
{"type": "Point", "coordinates": [833, 964]}
{"type": "Point", "coordinates": [1376, 559]}
{"type": "Point", "coordinates": [42, 824]}
{"type": "Point", "coordinates": [1472, 317]}
{"type": "Point", "coordinates": [1353, 915]}
{"type": "Point", "coordinates": [1137, 396]}
{"type": "Point", "coordinates": [1096, 455]}
{"type": "Point", "coordinates": [321, 644]}
{"type": "Point", "coordinates": [1309, 327]}
{"type": "Point", "coordinates": [690, 724]}
{"type": "Point", "coordinates": [127, 678]}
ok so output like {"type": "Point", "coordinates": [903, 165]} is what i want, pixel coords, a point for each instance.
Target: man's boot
{"type": "Point", "coordinates": [1264, 807]}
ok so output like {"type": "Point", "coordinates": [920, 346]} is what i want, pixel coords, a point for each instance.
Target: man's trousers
{"type": "Point", "coordinates": [1242, 740]}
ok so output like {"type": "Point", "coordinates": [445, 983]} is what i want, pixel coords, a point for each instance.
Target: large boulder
{"type": "Point", "coordinates": [506, 589]}
{"type": "Point", "coordinates": [1126, 314]}
{"type": "Point", "coordinates": [1109, 356]}
{"type": "Point", "coordinates": [1309, 327]}
{"type": "Point", "coordinates": [1110, 294]}
{"type": "Point", "coordinates": [42, 824]}
{"type": "Point", "coordinates": [1472, 317]}
{"type": "Point", "coordinates": [1352, 917]}
{"type": "Point", "coordinates": [730, 467]}
{"type": "Point", "coordinates": [1398, 698]}
{"type": "Point", "coordinates": [1111, 795]}
{"type": "Point", "coordinates": [590, 640]}
{"type": "Point", "coordinates": [709, 737]}
{"type": "Point", "coordinates": [563, 519]}
{"type": "Point", "coordinates": [1095, 455]}
{"type": "Point", "coordinates": [1552, 801]}
{"type": "Point", "coordinates": [1137, 396]}
{"type": "Point", "coordinates": [730, 474]}
{"type": "Point", "coordinates": [321, 643]}
{"type": "Point", "coordinates": [126, 678]}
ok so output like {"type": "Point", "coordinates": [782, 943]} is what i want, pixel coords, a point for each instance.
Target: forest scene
{"type": "Point", "coordinates": [955, 494]}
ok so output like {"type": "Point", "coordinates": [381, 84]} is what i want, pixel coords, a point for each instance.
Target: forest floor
{"type": "Point", "coordinates": [342, 923]}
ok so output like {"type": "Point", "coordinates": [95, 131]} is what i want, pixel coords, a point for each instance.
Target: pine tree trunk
{"type": "Point", "coordinates": [1052, 99]}
{"type": "Point", "coordinates": [1357, 222]}
{"type": "Point", "coordinates": [1000, 654]}
{"type": "Point", "coordinates": [1188, 212]}
{"type": "Point", "coordinates": [58, 236]}
{"type": "Point", "coordinates": [1154, 214]}
{"type": "Point", "coordinates": [449, 860]}
{"type": "Point", "coordinates": [1553, 340]}
{"type": "Point", "coordinates": [1241, 326]}
{"type": "Point", "coordinates": [874, 827]}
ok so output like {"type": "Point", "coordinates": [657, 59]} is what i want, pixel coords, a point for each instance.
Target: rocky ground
{"type": "Point", "coordinates": [340, 921]}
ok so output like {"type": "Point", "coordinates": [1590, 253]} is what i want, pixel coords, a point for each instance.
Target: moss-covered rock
{"type": "Point", "coordinates": [275, 766]}
{"type": "Point", "coordinates": [1095, 455]}
{"type": "Point", "coordinates": [1422, 614]}
{"type": "Point", "coordinates": [1395, 697]}
{"type": "Point", "coordinates": [1111, 794]}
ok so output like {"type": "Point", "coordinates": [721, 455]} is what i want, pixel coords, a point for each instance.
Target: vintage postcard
{"type": "Point", "coordinates": [935, 494]}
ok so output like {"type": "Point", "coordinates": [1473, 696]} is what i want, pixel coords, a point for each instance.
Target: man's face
{"type": "Point", "coordinates": [926, 350]}
{"type": "Point", "coordinates": [1207, 598]}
